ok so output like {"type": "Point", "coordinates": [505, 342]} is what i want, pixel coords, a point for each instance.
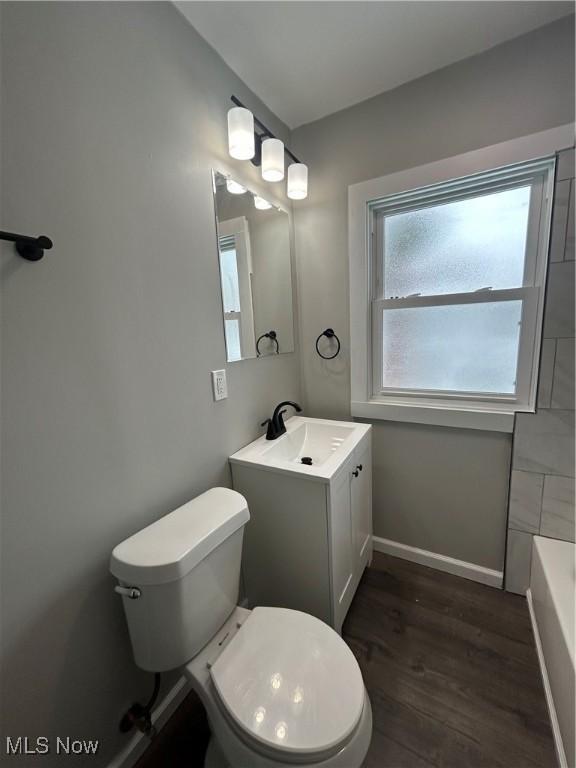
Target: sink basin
{"type": "Point", "coordinates": [322, 443]}
{"type": "Point", "coordinates": [311, 440]}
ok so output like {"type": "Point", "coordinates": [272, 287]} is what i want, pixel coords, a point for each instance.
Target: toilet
{"type": "Point", "coordinates": [280, 687]}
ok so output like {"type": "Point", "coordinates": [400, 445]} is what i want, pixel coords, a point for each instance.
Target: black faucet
{"type": "Point", "coordinates": [276, 426]}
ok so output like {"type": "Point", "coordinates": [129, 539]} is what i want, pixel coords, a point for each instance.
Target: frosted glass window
{"type": "Point", "coordinates": [229, 278]}
{"type": "Point", "coordinates": [232, 333]}
{"type": "Point", "coordinates": [457, 247]}
{"type": "Point", "coordinates": [459, 347]}
{"type": "Point", "coordinates": [453, 288]}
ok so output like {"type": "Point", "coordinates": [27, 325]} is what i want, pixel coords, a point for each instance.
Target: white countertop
{"type": "Point", "coordinates": [328, 442]}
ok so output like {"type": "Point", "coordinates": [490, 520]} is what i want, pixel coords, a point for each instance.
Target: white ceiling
{"type": "Point", "coordinates": [309, 59]}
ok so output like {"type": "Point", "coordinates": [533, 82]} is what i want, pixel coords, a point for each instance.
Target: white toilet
{"type": "Point", "coordinates": [279, 686]}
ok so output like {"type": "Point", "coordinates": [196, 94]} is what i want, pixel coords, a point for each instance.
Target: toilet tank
{"type": "Point", "coordinates": [185, 569]}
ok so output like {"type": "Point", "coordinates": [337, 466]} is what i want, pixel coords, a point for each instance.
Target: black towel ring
{"type": "Point", "coordinates": [272, 335]}
{"type": "Point", "coordinates": [329, 333]}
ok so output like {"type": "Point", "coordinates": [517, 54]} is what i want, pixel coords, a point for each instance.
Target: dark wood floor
{"type": "Point", "coordinates": [451, 669]}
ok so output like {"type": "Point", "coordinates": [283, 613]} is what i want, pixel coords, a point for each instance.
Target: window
{"type": "Point", "coordinates": [447, 288]}
{"type": "Point", "coordinates": [235, 277]}
{"type": "Point", "coordinates": [230, 296]}
{"type": "Point", "coordinates": [455, 289]}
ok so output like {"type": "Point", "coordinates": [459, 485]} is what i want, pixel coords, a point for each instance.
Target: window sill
{"type": "Point", "coordinates": [490, 419]}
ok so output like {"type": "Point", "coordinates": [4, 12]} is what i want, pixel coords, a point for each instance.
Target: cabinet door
{"type": "Point", "coordinates": [361, 512]}
{"type": "Point", "coordinates": [342, 545]}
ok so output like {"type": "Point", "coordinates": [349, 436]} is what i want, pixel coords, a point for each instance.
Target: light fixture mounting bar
{"type": "Point", "coordinates": [265, 130]}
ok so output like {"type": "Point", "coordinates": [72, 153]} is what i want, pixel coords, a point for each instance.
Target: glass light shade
{"type": "Point", "coordinates": [234, 188]}
{"type": "Point", "coordinates": [240, 133]}
{"type": "Point", "coordinates": [261, 204]}
{"type": "Point", "coordinates": [272, 160]}
{"type": "Point", "coordinates": [297, 181]}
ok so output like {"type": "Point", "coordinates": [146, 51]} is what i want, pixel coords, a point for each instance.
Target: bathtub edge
{"type": "Point", "coordinates": [558, 744]}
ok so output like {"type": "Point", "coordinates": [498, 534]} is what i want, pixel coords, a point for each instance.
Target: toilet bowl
{"type": "Point", "coordinates": [280, 687]}
{"type": "Point", "coordinates": [284, 689]}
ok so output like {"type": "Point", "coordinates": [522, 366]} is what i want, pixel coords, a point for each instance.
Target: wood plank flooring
{"type": "Point", "coordinates": [450, 667]}
{"type": "Point", "coordinates": [451, 670]}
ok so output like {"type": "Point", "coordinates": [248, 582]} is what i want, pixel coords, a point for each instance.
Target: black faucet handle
{"type": "Point", "coordinates": [271, 430]}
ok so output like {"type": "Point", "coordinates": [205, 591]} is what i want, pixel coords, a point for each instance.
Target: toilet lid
{"type": "Point", "coordinates": [290, 682]}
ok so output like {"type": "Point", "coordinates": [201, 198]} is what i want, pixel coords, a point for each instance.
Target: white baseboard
{"type": "Point", "coordinates": [137, 745]}
{"type": "Point", "coordinates": [560, 754]}
{"type": "Point", "coordinates": [440, 562]}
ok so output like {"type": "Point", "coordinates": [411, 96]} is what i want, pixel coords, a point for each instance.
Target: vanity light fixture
{"type": "Point", "coordinates": [261, 204]}
{"type": "Point", "coordinates": [264, 149]}
{"type": "Point", "coordinates": [272, 160]}
{"type": "Point", "coordinates": [241, 133]}
{"type": "Point", "coordinates": [234, 188]}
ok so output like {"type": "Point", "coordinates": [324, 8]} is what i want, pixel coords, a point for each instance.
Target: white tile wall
{"type": "Point", "coordinates": [565, 167]}
{"type": "Point", "coordinates": [546, 373]}
{"type": "Point", "coordinates": [559, 312]}
{"type": "Point", "coordinates": [525, 501]}
{"type": "Point", "coordinates": [559, 220]}
{"type": "Point", "coordinates": [544, 442]}
{"type": "Point", "coordinates": [542, 481]}
{"type": "Point", "coordinates": [563, 387]}
{"type": "Point", "coordinates": [518, 560]}
{"type": "Point", "coordinates": [569, 253]}
{"type": "Point", "coordinates": [558, 508]}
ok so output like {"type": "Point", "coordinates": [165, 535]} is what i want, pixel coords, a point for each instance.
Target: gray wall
{"type": "Point", "coordinates": [518, 88]}
{"type": "Point", "coordinates": [112, 116]}
{"type": "Point", "coordinates": [542, 483]}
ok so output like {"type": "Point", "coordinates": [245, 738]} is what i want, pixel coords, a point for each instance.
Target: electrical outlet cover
{"type": "Point", "coordinates": [219, 385]}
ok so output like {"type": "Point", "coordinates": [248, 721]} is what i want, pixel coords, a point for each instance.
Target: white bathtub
{"type": "Point", "coordinates": [551, 599]}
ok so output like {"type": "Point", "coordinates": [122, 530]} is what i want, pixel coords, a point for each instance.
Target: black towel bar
{"type": "Point", "coordinates": [30, 248]}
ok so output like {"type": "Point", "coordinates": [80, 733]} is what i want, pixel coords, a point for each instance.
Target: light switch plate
{"type": "Point", "coordinates": [219, 385]}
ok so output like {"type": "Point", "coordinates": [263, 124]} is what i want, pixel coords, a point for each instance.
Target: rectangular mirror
{"type": "Point", "coordinates": [255, 272]}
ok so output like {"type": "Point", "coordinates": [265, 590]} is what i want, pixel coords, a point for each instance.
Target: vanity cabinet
{"type": "Point", "coordinates": [309, 538]}
{"type": "Point", "coordinates": [350, 528]}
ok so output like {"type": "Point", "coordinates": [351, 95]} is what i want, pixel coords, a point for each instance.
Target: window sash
{"type": "Point", "coordinates": [536, 182]}
{"type": "Point", "coordinates": [529, 297]}
{"type": "Point", "coordinates": [475, 185]}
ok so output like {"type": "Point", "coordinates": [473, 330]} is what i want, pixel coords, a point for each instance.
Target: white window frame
{"type": "Point", "coordinates": [526, 157]}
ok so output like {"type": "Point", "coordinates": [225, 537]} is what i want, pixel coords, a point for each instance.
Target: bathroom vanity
{"type": "Point", "coordinates": [310, 532]}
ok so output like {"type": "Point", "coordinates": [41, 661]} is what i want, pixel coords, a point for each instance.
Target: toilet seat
{"type": "Point", "coordinates": [290, 685]}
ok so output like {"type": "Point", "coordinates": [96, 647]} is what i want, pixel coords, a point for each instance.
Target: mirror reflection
{"type": "Point", "coordinates": [255, 272]}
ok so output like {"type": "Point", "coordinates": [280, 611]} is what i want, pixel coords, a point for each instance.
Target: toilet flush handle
{"type": "Point", "coordinates": [133, 593]}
